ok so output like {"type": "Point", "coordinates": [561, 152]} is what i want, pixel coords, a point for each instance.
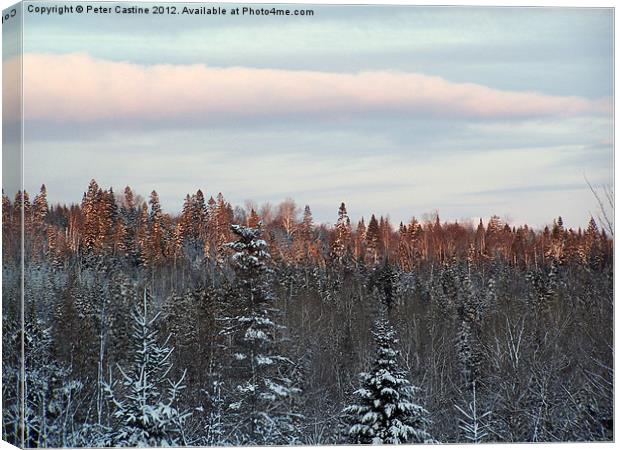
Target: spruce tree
{"type": "Point", "coordinates": [253, 219]}
{"type": "Point", "coordinates": [303, 237]}
{"type": "Point", "coordinates": [385, 411]}
{"type": "Point", "coordinates": [261, 405]}
{"type": "Point", "coordinates": [40, 412]}
{"type": "Point", "coordinates": [360, 237]}
{"type": "Point", "coordinates": [341, 247]}
{"type": "Point", "coordinates": [199, 214]}
{"type": "Point", "coordinates": [40, 208]}
{"type": "Point", "coordinates": [306, 224]}
{"type": "Point", "coordinates": [90, 227]}
{"type": "Point", "coordinates": [373, 240]}
{"type": "Point", "coordinates": [129, 218]}
{"type": "Point", "coordinates": [156, 240]}
{"type": "Point", "coordinates": [144, 400]}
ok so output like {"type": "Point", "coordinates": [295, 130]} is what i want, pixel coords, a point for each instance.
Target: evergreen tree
{"type": "Point", "coordinates": [141, 241]}
{"type": "Point", "coordinates": [156, 244]}
{"type": "Point", "coordinates": [47, 384]}
{"type": "Point", "coordinates": [384, 280]}
{"type": "Point", "coordinates": [144, 401]}
{"type": "Point", "coordinates": [306, 224]}
{"type": "Point", "coordinates": [107, 212]}
{"type": "Point", "coordinates": [341, 247]}
{"type": "Point", "coordinates": [253, 219]}
{"type": "Point", "coordinates": [590, 251]}
{"type": "Point", "coordinates": [199, 215]}
{"type": "Point", "coordinates": [360, 237]}
{"type": "Point", "coordinates": [386, 233]}
{"type": "Point", "coordinates": [385, 411]}
{"type": "Point", "coordinates": [40, 208]}
{"type": "Point", "coordinates": [262, 404]}
{"type": "Point", "coordinates": [373, 239]}
{"type": "Point", "coordinates": [90, 230]}
{"type": "Point", "coordinates": [303, 238]}
{"type": "Point", "coordinates": [185, 220]}
{"type": "Point", "coordinates": [129, 219]}
{"type": "Point", "coordinates": [404, 248]}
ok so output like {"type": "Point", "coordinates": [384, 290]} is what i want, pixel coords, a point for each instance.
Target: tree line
{"type": "Point", "coordinates": [225, 325]}
{"type": "Point", "coordinates": [126, 226]}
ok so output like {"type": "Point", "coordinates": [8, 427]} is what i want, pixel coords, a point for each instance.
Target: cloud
{"type": "Point", "coordinates": [78, 87]}
{"type": "Point", "coordinates": [360, 167]}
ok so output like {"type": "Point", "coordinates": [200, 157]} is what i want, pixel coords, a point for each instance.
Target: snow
{"type": "Point", "coordinates": [385, 412]}
{"type": "Point", "coordinates": [256, 335]}
{"type": "Point", "coordinates": [280, 390]}
{"type": "Point", "coordinates": [264, 360]}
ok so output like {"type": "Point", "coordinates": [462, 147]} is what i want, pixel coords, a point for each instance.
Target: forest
{"type": "Point", "coordinates": [227, 325]}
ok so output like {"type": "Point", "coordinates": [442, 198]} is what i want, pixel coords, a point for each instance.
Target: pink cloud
{"type": "Point", "coordinates": [11, 77]}
{"type": "Point", "coordinates": [78, 87]}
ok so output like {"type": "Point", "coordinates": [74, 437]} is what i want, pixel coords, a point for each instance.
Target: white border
{"type": "Point", "coordinates": [484, 3]}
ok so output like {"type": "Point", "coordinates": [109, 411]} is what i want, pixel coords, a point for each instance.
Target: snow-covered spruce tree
{"type": "Point", "coordinates": [262, 401]}
{"type": "Point", "coordinates": [143, 402]}
{"type": "Point", "coordinates": [47, 407]}
{"type": "Point", "coordinates": [341, 246]}
{"type": "Point", "coordinates": [385, 411]}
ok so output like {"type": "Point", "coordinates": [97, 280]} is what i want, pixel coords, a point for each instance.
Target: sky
{"type": "Point", "coordinates": [396, 111]}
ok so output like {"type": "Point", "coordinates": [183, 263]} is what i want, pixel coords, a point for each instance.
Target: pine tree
{"type": "Point", "coordinates": [385, 411]}
{"type": "Point", "coordinates": [144, 401]}
{"type": "Point", "coordinates": [262, 404]}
